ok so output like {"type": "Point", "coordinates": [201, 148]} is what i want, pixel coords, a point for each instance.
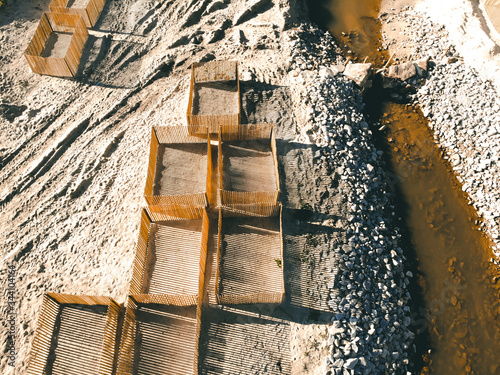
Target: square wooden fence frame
{"type": "Point", "coordinates": [139, 265]}
{"type": "Point", "coordinates": [231, 199]}
{"type": "Point", "coordinates": [66, 66]}
{"type": "Point", "coordinates": [90, 14]}
{"type": "Point", "coordinates": [125, 362]}
{"type": "Point", "coordinates": [174, 135]}
{"type": "Point", "coordinates": [212, 71]}
{"type": "Point", "coordinates": [49, 312]}
{"type": "Point", "coordinates": [257, 297]}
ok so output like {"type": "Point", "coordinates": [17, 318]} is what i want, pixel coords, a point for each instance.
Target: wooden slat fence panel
{"type": "Point", "coordinates": [220, 161]}
{"type": "Point", "coordinates": [179, 134]}
{"type": "Point", "coordinates": [229, 198]}
{"type": "Point", "coordinates": [126, 351]}
{"type": "Point", "coordinates": [175, 212]}
{"type": "Point", "coordinates": [274, 150]}
{"type": "Point", "coordinates": [80, 300]}
{"type": "Point", "coordinates": [76, 46]}
{"type": "Point", "coordinates": [245, 132]}
{"type": "Point", "coordinates": [282, 254]}
{"type": "Point", "coordinates": [218, 257]}
{"type": "Point", "coordinates": [258, 297]}
{"type": "Point", "coordinates": [42, 341]}
{"type": "Point", "coordinates": [191, 127]}
{"type": "Point", "coordinates": [251, 210]}
{"type": "Point", "coordinates": [141, 254]}
{"type": "Point", "coordinates": [109, 343]}
{"type": "Point", "coordinates": [90, 14]}
{"type": "Point", "coordinates": [198, 123]}
{"type": "Point", "coordinates": [42, 33]}
{"type": "Point", "coordinates": [166, 299]}
{"type": "Point", "coordinates": [210, 173]}
{"type": "Point", "coordinates": [63, 22]}
{"type": "Point", "coordinates": [203, 267]}
{"type": "Point", "coordinates": [158, 202]}
{"type": "Point", "coordinates": [215, 71]}
{"type": "Point", "coordinates": [153, 152]}
{"type": "Point", "coordinates": [196, 360]}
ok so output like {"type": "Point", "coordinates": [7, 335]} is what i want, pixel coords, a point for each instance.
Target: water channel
{"type": "Point", "coordinates": [456, 293]}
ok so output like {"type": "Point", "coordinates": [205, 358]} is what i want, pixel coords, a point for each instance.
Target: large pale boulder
{"type": "Point", "coordinates": [359, 73]}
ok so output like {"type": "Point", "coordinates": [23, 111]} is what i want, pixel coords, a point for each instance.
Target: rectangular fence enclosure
{"type": "Point", "coordinates": [170, 259]}
{"type": "Point", "coordinates": [74, 335]}
{"type": "Point", "coordinates": [179, 170]}
{"type": "Point", "coordinates": [57, 46]}
{"type": "Point", "coordinates": [248, 165]}
{"type": "Point", "coordinates": [250, 259]}
{"type": "Point", "coordinates": [89, 10]}
{"type": "Point", "coordinates": [214, 96]}
{"type": "Point", "coordinates": [159, 339]}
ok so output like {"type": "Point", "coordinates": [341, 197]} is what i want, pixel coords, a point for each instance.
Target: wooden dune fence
{"type": "Point", "coordinates": [125, 363]}
{"type": "Point", "coordinates": [90, 13]}
{"type": "Point", "coordinates": [66, 66]}
{"type": "Point", "coordinates": [252, 296]}
{"type": "Point", "coordinates": [42, 342]}
{"type": "Point", "coordinates": [139, 270]}
{"type": "Point", "coordinates": [246, 133]}
{"type": "Point", "coordinates": [127, 354]}
{"type": "Point", "coordinates": [174, 135]}
{"type": "Point", "coordinates": [212, 71]}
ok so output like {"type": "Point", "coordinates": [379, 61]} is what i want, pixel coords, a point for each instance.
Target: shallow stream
{"type": "Point", "coordinates": [456, 293]}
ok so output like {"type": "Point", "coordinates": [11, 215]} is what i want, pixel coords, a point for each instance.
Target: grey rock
{"type": "Point", "coordinates": [403, 71]}
{"type": "Point", "coordinates": [350, 363]}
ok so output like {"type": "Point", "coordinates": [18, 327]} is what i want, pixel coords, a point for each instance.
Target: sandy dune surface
{"type": "Point", "coordinates": [73, 152]}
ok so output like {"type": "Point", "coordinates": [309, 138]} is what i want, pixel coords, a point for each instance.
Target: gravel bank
{"type": "Point", "coordinates": [368, 287]}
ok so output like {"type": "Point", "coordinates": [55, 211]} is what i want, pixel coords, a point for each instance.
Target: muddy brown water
{"type": "Point", "coordinates": [456, 291]}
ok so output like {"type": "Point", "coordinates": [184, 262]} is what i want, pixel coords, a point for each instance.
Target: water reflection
{"type": "Point", "coordinates": [456, 280]}
{"type": "Point", "coordinates": [353, 22]}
